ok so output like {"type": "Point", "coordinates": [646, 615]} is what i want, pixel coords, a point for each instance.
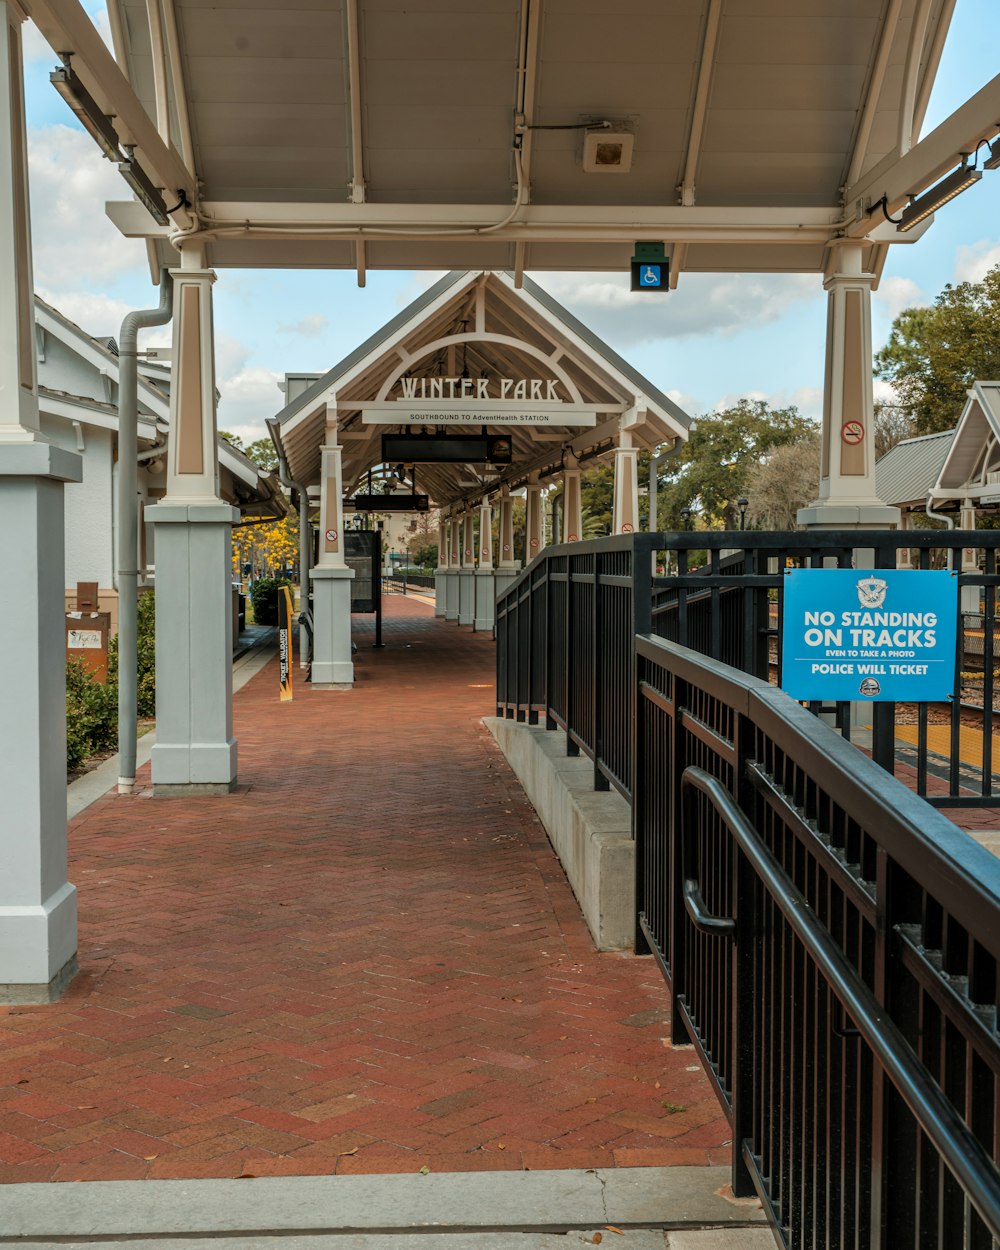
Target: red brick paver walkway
{"type": "Point", "coordinates": [367, 960]}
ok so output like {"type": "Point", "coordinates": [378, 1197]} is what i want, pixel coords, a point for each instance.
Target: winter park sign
{"type": "Point", "coordinates": [881, 636]}
{"type": "Point", "coordinates": [478, 401]}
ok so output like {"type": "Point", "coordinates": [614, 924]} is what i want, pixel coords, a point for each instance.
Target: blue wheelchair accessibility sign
{"type": "Point", "coordinates": [650, 275]}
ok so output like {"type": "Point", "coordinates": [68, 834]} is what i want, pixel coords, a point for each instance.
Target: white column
{"type": "Point", "coordinates": [454, 561]}
{"type": "Point", "coordinates": [441, 572]}
{"type": "Point", "coordinates": [572, 503]}
{"type": "Point", "coordinates": [970, 559]}
{"type": "Point", "coordinates": [534, 520]}
{"type": "Point", "coordinates": [485, 611]}
{"type": "Point", "coordinates": [37, 902]}
{"type": "Point", "coordinates": [507, 566]}
{"type": "Point", "coordinates": [507, 561]}
{"type": "Point", "coordinates": [195, 749]}
{"type": "Point", "coordinates": [332, 666]}
{"type": "Point", "coordinates": [625, 510]}
{"type": "Point", "coordinates": [467, 573]}
{"type": "Point", "coordinates": [904, 555]}
{"type": "Point", "coordinates": [847, 495]}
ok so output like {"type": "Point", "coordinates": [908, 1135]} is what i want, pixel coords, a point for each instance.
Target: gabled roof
{"type": "Point", "coordinates": [257, 493]}
{"type": "Point", "coordinates": [978, 425]}
{"type": "Point", "coordinates": [485, 326]}
{"type": "Point", "coordinates": [906, 472]}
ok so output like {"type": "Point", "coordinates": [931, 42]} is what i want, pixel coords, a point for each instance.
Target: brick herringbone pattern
{"type": "Point", "coordinates": [368, 960]}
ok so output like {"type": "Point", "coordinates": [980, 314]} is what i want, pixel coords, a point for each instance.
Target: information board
{"type": "Point", "coordinates": [880, 635]}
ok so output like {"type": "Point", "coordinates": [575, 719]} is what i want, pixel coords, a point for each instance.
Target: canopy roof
{"type": "Point", "coordinates": [906, 473]}
{"type": "Point", "coordinates": [435, 134]}
{"type": "Point", "coordinates": [971, 469]}
{"type": "Point", "coordinates": [480, 326]}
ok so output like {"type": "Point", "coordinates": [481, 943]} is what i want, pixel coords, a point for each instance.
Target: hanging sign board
{"type": "Point", "coordinates": [490, 412]}
{"type": "Point", "coordinates": [884, 635]}
{"type": "Point", "coordinates": [285, 644]}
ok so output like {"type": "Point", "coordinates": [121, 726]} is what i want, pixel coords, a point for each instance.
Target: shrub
{"type": "Point", "coordinates": [92, 707]}
{"type": "Point", "coordinates": [264, 598]}
{"type": "Point", "coordinates": [146, 655]}
{"type": "Point", "coordinates": [91, 714]}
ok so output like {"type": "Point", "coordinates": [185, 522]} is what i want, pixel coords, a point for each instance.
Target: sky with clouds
{"type": "Point", "coordinates": [714, 339]}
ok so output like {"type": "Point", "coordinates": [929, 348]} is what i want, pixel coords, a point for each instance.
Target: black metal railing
{"type": "Point", "coordinates": [729, 607]}
{"type": "Point", "coordinates": [565, 633]}
{"type": "Point", "coordinates": [832, 948]}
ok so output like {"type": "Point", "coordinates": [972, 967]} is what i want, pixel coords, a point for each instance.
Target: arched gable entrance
{"type": "Point", "coordinates": [477, 390]}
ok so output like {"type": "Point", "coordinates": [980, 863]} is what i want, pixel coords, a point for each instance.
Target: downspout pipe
{"type": "Point", "coordinates": [128, 525]}
{"type": "Point", "coordinates": [305, 538]}
{"type": "Point", "coordinates": [948, 520]}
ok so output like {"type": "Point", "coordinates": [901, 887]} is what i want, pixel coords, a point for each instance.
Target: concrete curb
{"type": "Point", "coordinates": [590, 831]}
{"type": "Point", "coordinates": [674, 1197]}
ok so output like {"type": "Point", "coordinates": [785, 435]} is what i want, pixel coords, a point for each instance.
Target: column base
{"type": "Point", "coordinates": [485, 597]}
{"type": "Point", "coordinates": [451, 596]}
{"type": "Point", "coordinates": [195, 745]}
{"type": "Point", "coordinates": [466, 596]}
{"type": "Point", "coordinates": [39, 948]}
{"type": "Point", "coordinates": [845, 516]}
{"type": "Point", "coordinates": [332, 666]}
{"type": "Point", "coordinates": [38, 995]}
{"type": "Point", "coordinates": [440, 592]}
{"type": "Point", "coordinates": [195, 769]}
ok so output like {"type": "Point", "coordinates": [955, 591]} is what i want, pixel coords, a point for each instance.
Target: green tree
{"type": "Point", "coordinates": [712, 469]}
{"type": "Point", "coordinates": [934, 354]}
{"type": "Point", "coordinates": [262, 452]}
{"type": "Point", "coordinates": [786, 480]}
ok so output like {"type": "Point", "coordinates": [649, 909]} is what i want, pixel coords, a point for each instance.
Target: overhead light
{"type": "Point", "coordinates": [145, 192]}
{"type": "Point", "coordinates": [993, 161]}
{"type": "Point", "coordinates": [83, 104]}
{"type": "Point", "coordinates": [608, 151]}
{"type": "Point", "coordinates": [956, 182]}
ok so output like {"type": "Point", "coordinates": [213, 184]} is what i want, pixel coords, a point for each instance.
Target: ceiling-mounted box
{"type": "Point", "coordinates": [607, 151]}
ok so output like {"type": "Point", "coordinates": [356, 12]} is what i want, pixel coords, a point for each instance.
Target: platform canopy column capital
{"type": "Point", "coordinates": [19, 421]}
{"type": "Point", "coordinates": [534, 521]}
{"type": "Point", "coordinates": [572, 502]}
{"type": "Point", "coordinates": [847, 495]}
{"type": "Point", "coordinates": [506, 561]}
{"type": "Point", "coordinates": [486, 534]}
{"type": "Point", "coordinates": [193, 458]}
{"type": "Point", "coordinates": [331, 546]}
{"type": "Point", "coordinates": [625, 510]}
{"type": "Point", "coordinates": [468, 540]}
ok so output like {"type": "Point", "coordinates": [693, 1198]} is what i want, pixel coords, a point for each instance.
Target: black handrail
{"type": "Point", "coordinates": [971, 1166]}
{"type": "Point", "coordinates": [832, 946]}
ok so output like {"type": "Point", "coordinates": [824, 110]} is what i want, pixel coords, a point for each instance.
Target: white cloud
{"type": "Point", "coordinates": [311, 326]}
{"type": "Point", "coordinates": [973, 261]}
{"type": "Point", "coordinates": [703, 304]}
{"type": "Point", "coordinates": [247, 398]}
{"type": "Point", "coordinates": [73, 242]}
{"type": "Point", "coordinates": [895, 294]}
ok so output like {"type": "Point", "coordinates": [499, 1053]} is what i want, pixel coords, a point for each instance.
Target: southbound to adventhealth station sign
{"type": "Point", "coordinates": [880, 635]}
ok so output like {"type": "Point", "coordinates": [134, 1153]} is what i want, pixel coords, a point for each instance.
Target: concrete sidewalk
{"type": "Point", "coordinates": [367, 960]}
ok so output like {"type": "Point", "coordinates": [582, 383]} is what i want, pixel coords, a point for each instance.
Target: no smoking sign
{"type": "Point", "coordinates": [852, 432]}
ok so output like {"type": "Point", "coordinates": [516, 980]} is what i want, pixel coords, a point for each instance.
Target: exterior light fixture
{"type": "Point", "coordinates": [145, 192]}
{"type": "Point", "coordinates": [607, 151]}
{"type": "Point", "coordinates": [743, 503]}
{"type": "Point", "coordinates": [83, 104]}
{"type": "Point", "coordinates": [921, 207]}
{"type": "Point", "coordinates": [993, 160]}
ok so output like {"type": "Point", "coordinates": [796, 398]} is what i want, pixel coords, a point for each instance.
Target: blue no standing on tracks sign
{"type": "Point", "coordinates": [879, 635]}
